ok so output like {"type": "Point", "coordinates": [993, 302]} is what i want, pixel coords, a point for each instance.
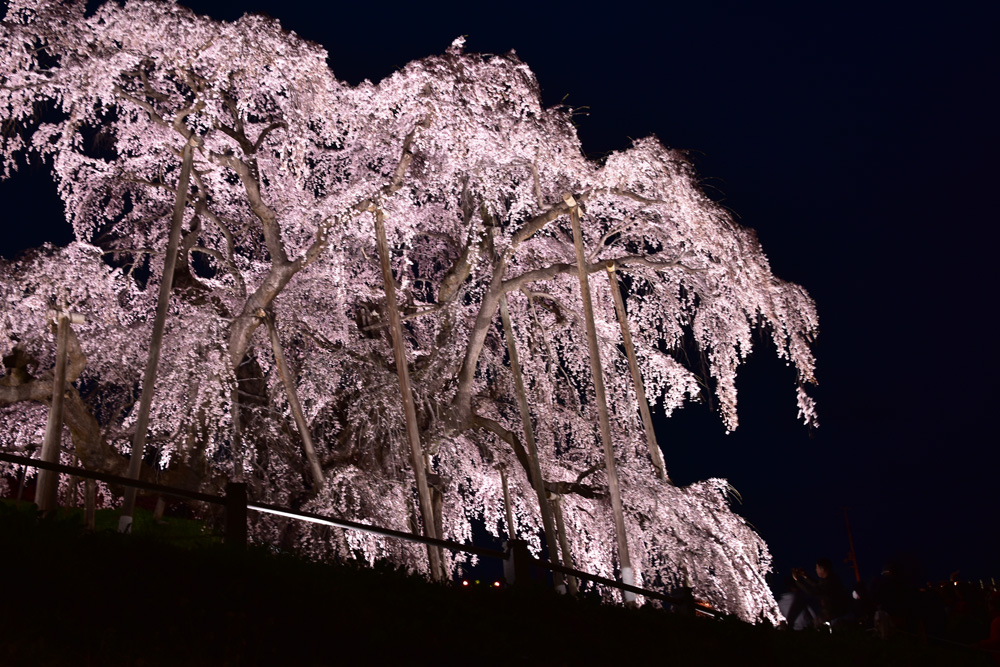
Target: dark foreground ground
{"type": "Point", "coordinates": [71, 598]}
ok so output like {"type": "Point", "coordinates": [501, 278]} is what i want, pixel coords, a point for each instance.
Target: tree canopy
{"type": "Point", "coordinates": [291, 165]}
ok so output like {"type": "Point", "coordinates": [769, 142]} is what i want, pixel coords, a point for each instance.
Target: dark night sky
{"type": "Point", "coordinates": [859, 142]}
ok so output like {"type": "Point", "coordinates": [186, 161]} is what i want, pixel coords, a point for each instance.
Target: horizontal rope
{"type": "Point", "coordinates": [331, 521]}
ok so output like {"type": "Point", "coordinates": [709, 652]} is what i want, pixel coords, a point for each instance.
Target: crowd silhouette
{"type": "Point", "coordinates": [894, 605]}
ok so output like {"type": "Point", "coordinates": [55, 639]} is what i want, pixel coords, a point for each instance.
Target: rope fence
{"type": "Point", "coordinates": [518, 561]}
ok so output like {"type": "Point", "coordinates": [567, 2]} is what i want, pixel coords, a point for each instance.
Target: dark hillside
{"type": "Point", "coordinates": [72, 598]}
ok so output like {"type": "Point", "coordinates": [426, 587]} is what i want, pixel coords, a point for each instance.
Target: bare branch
{"type": "Point", "coordinates": [143, 104]}
{"type": "Point", "coordinates": [266, 131]}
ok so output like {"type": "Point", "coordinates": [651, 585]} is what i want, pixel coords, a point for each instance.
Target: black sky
{"type": "Point", "coordinates": [860, 142]}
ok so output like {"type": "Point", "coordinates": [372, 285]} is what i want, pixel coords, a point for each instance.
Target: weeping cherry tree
{"type": "Point", "coordinates": [277, 365]}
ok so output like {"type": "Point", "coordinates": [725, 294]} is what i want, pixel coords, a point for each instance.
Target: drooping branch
{"type": "Point", "coordinates": [282, 271]}
{"type": "Point", "coordinates": [561, 487]}
{"type": "Point", "coordinates": [266, 131]}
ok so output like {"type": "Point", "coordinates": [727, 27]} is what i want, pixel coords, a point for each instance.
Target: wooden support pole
{"type": "Point", "coordinates": [236, 515]}
{"type": "Point", "coordinates": [406, 393]}
{"type": "Point", "coordinates": [20, 484]}
{"type": "Point", "coordinates": [236, 447]}
{"type": "Point", "coordinates": [529, 440]}
{"type": "Point", "coordinates": [614, 490]}
{"type": "Point", "coordinates": [160, 509]}
{"type": "Point", "coordinates": [506, 502]}
{"type": "Point", "coordinates": [640, 392]}
{"type": "Point", "coordinates": [48, 481]}
{"type": "Point", "coordinates": [567, 557]}
{"type": "Point", "coordinates": [89, 504]}
{"type": "Point", "coordinates": [156, 341]}
{"type": "Point", "coordinates": [74, 483]}
{"type": "Point", "coordinates": [288, 380]}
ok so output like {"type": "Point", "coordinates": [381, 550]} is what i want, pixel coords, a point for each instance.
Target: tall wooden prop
{"type": "Point", "coordinates": [89, 503]}
{"type": "Point", "coordinates": [506, 502]}
{"type": "Point", "coordinates": [293, 400]}
{"type": "Point", "coordinates": [409, 410]}
{"type": "Point", "coordinates": [633, 365]}
{"type": "Point", "coordinates": [48, 481]}
{"type": "Point", "coordinates": [291, 392]}
{"type": "Point", "coordinates": [602, 405]}
{"type": "Point", "coordinates": [156, 341]}
{"type": "Point", "coordinates": [529, 439]}
{"type": "Point", "coordinates": [567, 557]}
{"type": "Point", "coordinates": [237, 436]}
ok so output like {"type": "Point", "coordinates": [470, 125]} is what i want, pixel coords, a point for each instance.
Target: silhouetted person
{"type": "Point", "coordinates": [966, 616]}
{"type": "Point", "coordinates": [834, 600]}
{"type": "Point", "coordinates": [794, 606]}
{"type": "Point", "coordinates": [889, 595]}
{"type": "Point", "coordinates": [992, 643]}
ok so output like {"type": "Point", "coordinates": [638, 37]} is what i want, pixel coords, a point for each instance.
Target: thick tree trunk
{"type": "Point", "coordinates": [161, 507]}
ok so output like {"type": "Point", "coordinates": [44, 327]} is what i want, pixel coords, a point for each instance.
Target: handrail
{"type": "Point", "coordinates": [607, 582]}
{"type": "Point", "coordinates": [260, 507]}
{"type": "Point", "coordinates": [343, 523]}
{"type": "Point", "coordinates": [114, 479]}
{"type": "Point", "coordinates": [378, 530]}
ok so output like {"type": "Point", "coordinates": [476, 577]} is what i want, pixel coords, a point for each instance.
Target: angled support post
{"type": "Point", "coordinates": [633, 365]}
{"type": "Point", "coordinates": [156, 341]}
{"type": "Point", "coordinates": [529, 442]}
{"type": "Point", "coordinates": [292, 393]}
{"type": "Point", "coordinates": [46, 495]}
{"type": "Point", "coordinates": [567, 557]}
{"type": "Point", "coordinates": [236, 515]}
{"type": "Point", "coordinates": [506, 502]}
{"type": "Point", "coordinates": [406, 393]}
{"type": "Point", "coordinates": [624, 561]}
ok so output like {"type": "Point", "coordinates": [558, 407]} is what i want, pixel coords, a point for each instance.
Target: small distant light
{"type": "Point", "coordinates": [477, 581]}
{"type": "Point", "coordinates": [496, 584]}
{"type": "Point", "coordinates": [465, 583]}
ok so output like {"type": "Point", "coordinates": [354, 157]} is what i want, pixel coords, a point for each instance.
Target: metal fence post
{"type": "Point", "coordinates": [236, 514]}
